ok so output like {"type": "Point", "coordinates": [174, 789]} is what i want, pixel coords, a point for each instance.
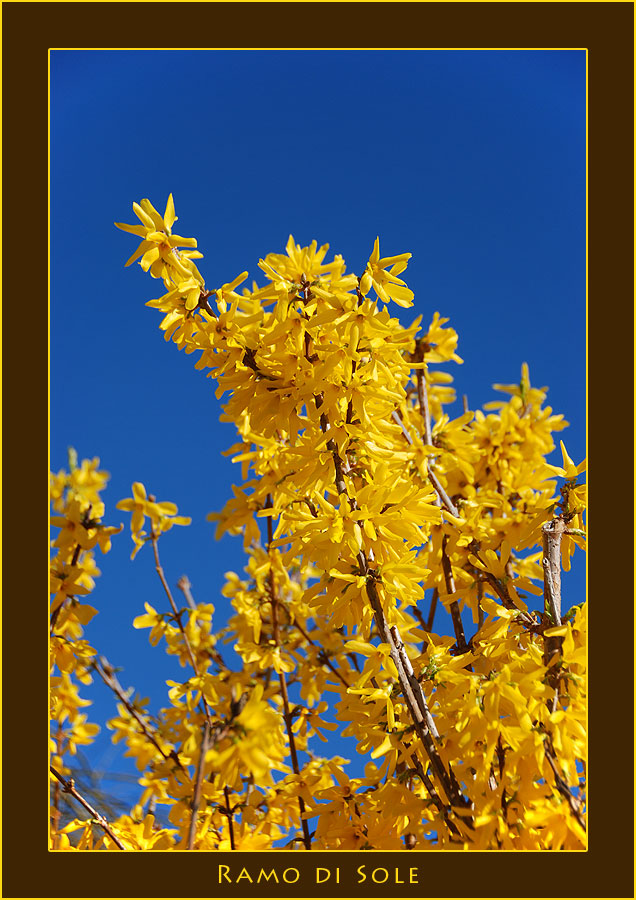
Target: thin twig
{"type": "Point", "coordinates": [458, 625]}
{"type": "Point", "coordinates": [196, 796]}
{"type": "Point", "coordinates": [184, 586]}
{"type": "Point", "coordinates": [322, 656]}
{"type": "Point", "coordinates": [177, 616]}
{"type": "Point", "coordinates": [441, 493]}
{"type": "Point", "coordinates": [69, 788]}
{"type": "Point", "coordinates": [107, 674]}
{"type": "Point", "coordinates": [435, 797]}
{"type": "Point", "coordinates": [422, 393]}
{"type": "Point", "coordinates": [283, 683]}
{"type": "Point", "coordinates": [563, 788]}
{"type": "Point", "coordinates": [501, 589]}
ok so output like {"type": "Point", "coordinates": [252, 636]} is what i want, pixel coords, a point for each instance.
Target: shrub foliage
{"type": "Point", "coordinates": [364, 508]}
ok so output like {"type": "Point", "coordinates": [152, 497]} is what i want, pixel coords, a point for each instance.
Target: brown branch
{"type": "Point", "coordinates": [196, 796]}
{"type": "Point", "coordinates": [412, 692]}
{"type": "Point", "coordinates": [501, 590]}
{"type": "Point", "coordinates": [441, 493]}
{"type": "Point", "coordinates": [458, 625]}
{"type": "Point", "coordinates": [249, 360]}
{"type": "Point", "coordinates": [411, 688]}
{"type": "Point", "coordinates": [552, 533]}
{"type": "Point", "coordinates": [230, 817]}
{"type": "Point", "coordinates": [107, 674]}
{"type": "Point", "coordinates": [69, 788]}
{"type": "Point", "coordinates": [422, 393]}
{"type": "Point", "coordinates": [422, 396]}
{"type": "Point", "coordinates": [563, 788]}
{"type": "Point", "coordinates": [177, 616]}
{"type": "Point", "coordinates": [184, 586]}
{"type": "Point", "coordinates": [322, 655]}
{"type": "Point", "coordinates": [442, 497]}
{"type": "Point", "coordinates": [435, 797]}
{"type": "Point", "coordinates": [283, 683]}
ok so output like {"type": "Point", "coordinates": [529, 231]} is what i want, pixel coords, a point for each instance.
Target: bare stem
{"type": "Point", "coordinates": [184, 586]}
{"type": "Point", "coordinates": [196, 796]}
{"type": "Point", "coordinates": [177, 616]}
{"type": "Point", "coordinates": [563, 788]}
{"type": "Point", "coordinates": [283, 684]}
{"type": "Point", "coordinates": [422, 393]}
{"type": "Point", "coordinates": [323, 656]}
{"type": "Point", "coordinates": [552, 533]}
{"type": "Point", "coordinates": [458, 625]}
{"type": "Point", "coordinates": [502, 591]}
{"type": "Point", "coordinates": [441, 493]}
{"type": "Point", "coordinates": [107, 674]}
{"type": "Point", "coordinates": [69, 788]}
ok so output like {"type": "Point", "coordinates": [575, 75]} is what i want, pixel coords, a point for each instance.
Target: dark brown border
{"type": "Point", "coordinates": [606, 870]}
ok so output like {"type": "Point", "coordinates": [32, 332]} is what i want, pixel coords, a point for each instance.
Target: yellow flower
{"type": "Point", "coordinates": [158, 247]}
{"type": "Point", "coordinates": [162, 515]}
{"type": "Point", "coordinates": [386, 283]}
{"type": "Point", "coordinates": [568, 470]}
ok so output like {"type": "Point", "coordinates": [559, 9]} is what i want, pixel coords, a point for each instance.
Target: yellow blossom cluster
{"type": "Point", "coordinates": [75, 500]}
{"type": "Point", "coordinates": [363, 506]}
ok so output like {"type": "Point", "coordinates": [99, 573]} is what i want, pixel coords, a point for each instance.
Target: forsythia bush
{"type": "Point", "coordinates": [360, 499]}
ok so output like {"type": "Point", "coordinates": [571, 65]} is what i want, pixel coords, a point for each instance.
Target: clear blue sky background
{"type": "Point", "coordinates": [472, 160]}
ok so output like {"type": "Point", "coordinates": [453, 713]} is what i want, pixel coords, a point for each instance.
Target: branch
{"type": "Point", "coordinates": [422, 393]}
{"type": "Point", "coordinates": [283, 683]}
{"type": "Point", "coordinates": [177, 616]}
{"type": "Point", "coordinates": [196, 796]}
{"type": "Point", "coordinates": [458, 625]}
{"type": "Point", "coordinates": [563, 788]}
{"type": "Point", "coordinates": [552, 533]}
{"type": "Point", "coordinates": [322, 655]}
{"type": "Point", "coordinates": [185, 586]}
{"type": "Point", "coordinates": [411, 688]}
{"type": "Point", "coordinates": [107, 673]}
{"type": "Point", "coordinates": [442, 497]}
{"type": "Point", "coordinates": [501, 590]}
{"type": "Point", "coordinates": [69, 788]}
{"type": "Point", "coordinates": [230, 816]}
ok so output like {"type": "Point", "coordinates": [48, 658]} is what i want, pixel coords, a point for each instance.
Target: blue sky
{"type": "Point", "coordinates": [474, 161]}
